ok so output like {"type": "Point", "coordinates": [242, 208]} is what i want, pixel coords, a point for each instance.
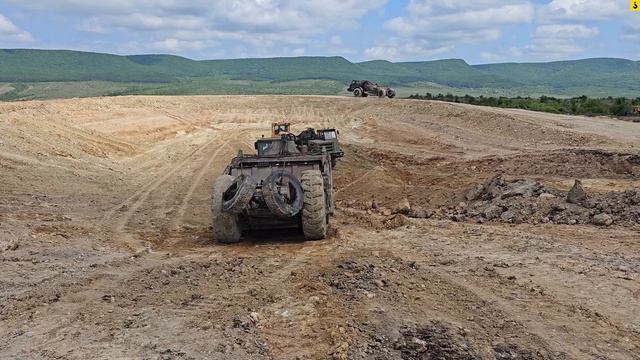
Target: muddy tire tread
{"type": "Point", "coordinates": [243, 196]}
{"type": "Point", "coordinates": [269, 193]}
{"type": "Point", "coordinates": [225, 225]}
{"type": "Point", "coordinates": [314, 219]}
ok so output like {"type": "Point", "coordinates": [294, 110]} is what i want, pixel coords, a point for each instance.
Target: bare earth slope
{"type": "Point", "coordinates": [105, 248]}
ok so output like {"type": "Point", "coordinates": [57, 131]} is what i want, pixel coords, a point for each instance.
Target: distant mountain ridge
{"type": "Point", "coordinates": [574, 77]}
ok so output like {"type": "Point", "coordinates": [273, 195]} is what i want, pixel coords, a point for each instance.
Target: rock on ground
{"type": "Point", "coordinates": [602, 220]}
{"type": "Point", "coordinates": [577, 195]}
{"type": "Point", "coordinates": [402, 207]}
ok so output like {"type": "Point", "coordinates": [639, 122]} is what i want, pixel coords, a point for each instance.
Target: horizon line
{"type": "Point", "coordinates": [322, 56]}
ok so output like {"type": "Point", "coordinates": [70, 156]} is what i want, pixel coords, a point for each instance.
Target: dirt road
{"type": "Point", "coordinates": [105, 248]}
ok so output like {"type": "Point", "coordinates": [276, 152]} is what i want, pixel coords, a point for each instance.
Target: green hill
{"type": "Point", "coordinates": [63, 73]}
{"type": "Point", "coordinates": [176, 66]}
{"type": "Point", "coordinates": [64, 65]}
{"type": "Point", "coordinates": [567, 73]}
{"type": "Point", "coordinates": [286, 69]}
{"type": "Point", "coordinates": [456, 73]}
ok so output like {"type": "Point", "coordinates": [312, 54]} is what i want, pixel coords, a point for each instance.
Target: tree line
{"type": "Point", "coordinates": [581, 105]}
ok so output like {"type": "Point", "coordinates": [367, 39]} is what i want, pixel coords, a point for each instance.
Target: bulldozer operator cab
{"type": "Point", "coordinates": [280, 128]}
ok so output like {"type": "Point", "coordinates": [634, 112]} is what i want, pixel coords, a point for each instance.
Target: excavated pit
{"type": "Point", "coordinates": [106, 248]}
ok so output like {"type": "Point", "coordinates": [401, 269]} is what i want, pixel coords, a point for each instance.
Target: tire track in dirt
{"type": "Point", "coordinates": [158, 148]}
{"type": "Point", "coordinates": [135, 201]}
{"type": "Point", "coordinates": [460, 295]}
{"type": "Point", "coordinates": [94, 137]}
{"type": "Point", "coordinates": [521, 312]}
{"type": "Point", "coordinates": [179, 218]}
{"type": "Point", "coordinates": [88, 284]}
{"type": "Point", "coordinates": [498, 290]}
{"type": "Point", "coordinates": [182, 120]}
{"type": "Point", "coordinates": [357, 180]}
{"type": "Point", "coordinates": [286, 340]}
{"type": "Point", "coordinates": [35, 162]}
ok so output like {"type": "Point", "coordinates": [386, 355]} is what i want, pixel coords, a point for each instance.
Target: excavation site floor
{"type": "Point", "coordinates": [106, 249]}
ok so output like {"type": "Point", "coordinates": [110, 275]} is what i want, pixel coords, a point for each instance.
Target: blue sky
{"type": "Point", "coordinates": [480, 31]}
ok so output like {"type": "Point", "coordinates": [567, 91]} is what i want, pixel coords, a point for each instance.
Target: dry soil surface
{"type": "Point", "coordinates": [106, 252]}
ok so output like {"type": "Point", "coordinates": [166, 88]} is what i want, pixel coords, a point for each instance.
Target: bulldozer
{"type": "Point", "coordinates": [278, 128]}
{"type": "Point", "coordinates": [315, 141]}
{"type": "Point", "coordinates": [287, 183]}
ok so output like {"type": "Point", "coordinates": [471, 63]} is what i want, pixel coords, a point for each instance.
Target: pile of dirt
{"type": "Point", "coordinates": [434, 341]}
{"type": "Point", "coordinates": [439, 340]}
{"type": "Point", "coordinates": [567, 163]}
{"type": "Point", "coordinates": [356, 280]}
{"type": "Point", "coordinates": [529, 201]}
{"type": "Point", "coordinates": [379, 219]}
{"type": "Point", "coordinates": [388, 215]}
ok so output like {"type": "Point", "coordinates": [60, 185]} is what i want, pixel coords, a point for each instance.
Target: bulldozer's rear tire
{"type": "Point", "coordinates": [239, 194]}
{"type": "Point", "coordinates": [225, 225]}
{"type": "Point", "coordinates": [357, 92]}
{"type": "Point", "coordinates": [391, 93]}
{"type": "Point", "coordinates": [314, 211]}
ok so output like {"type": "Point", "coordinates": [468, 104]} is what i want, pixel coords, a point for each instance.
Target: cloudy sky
{"type": "Point", "coordinates": [478, 31]}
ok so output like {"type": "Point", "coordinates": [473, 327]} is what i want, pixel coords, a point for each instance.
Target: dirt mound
{"type": "Point", "coordinates": [358, 280]}
{"type": "Point", "coordinates": [434, 341]}
{"type": "Point", "coordinates": [572, 163]}
{"type": "Point", "coordinates": [440, 340]}
{"type": "Point", "coordinates": [529, 201]}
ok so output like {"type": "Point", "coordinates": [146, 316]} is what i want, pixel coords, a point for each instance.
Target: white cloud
{"type": "Point", "coordinates": [409, 50]}
{"type": "Point", "coordinates": [172, 24]}
{"type": "Point", "coordinates": [381, 52]}
{"type": "Point", "coordinates": [549, 42]}
{"type": "Point", "coordinates": [430, 19]}
{"type": "Point", "coordinates": [580, 11]}
{"type": "Point", "coordinates": [547, 30]}
{"type": "Point", "coordinates": [438, 26]}
{"type": "Point", "coordinates": [631, 31]}
{"type": "Point", "coordinates": [551, 49]}
{"type": "Point", "coordinates": [560, 31]}
{"type": "Point", "coordinates": [565, 31]}
{"type": "Point", "coordinates": [332, 46]}
{"type": "Point", "coordinates": [11, 33]}
{"type": "Point", "coordinates": [511, 53]}
{"type": "Point", "coordinates": [175, 45]}
{"type": "Point", "coordinates": [150, 22]}
{"type": "Point", "coordinates": [583, 10]}
{"type": "Point", "coordinates": [491, 56]}
{"type": "Point", "coordinates": [91, 25]}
